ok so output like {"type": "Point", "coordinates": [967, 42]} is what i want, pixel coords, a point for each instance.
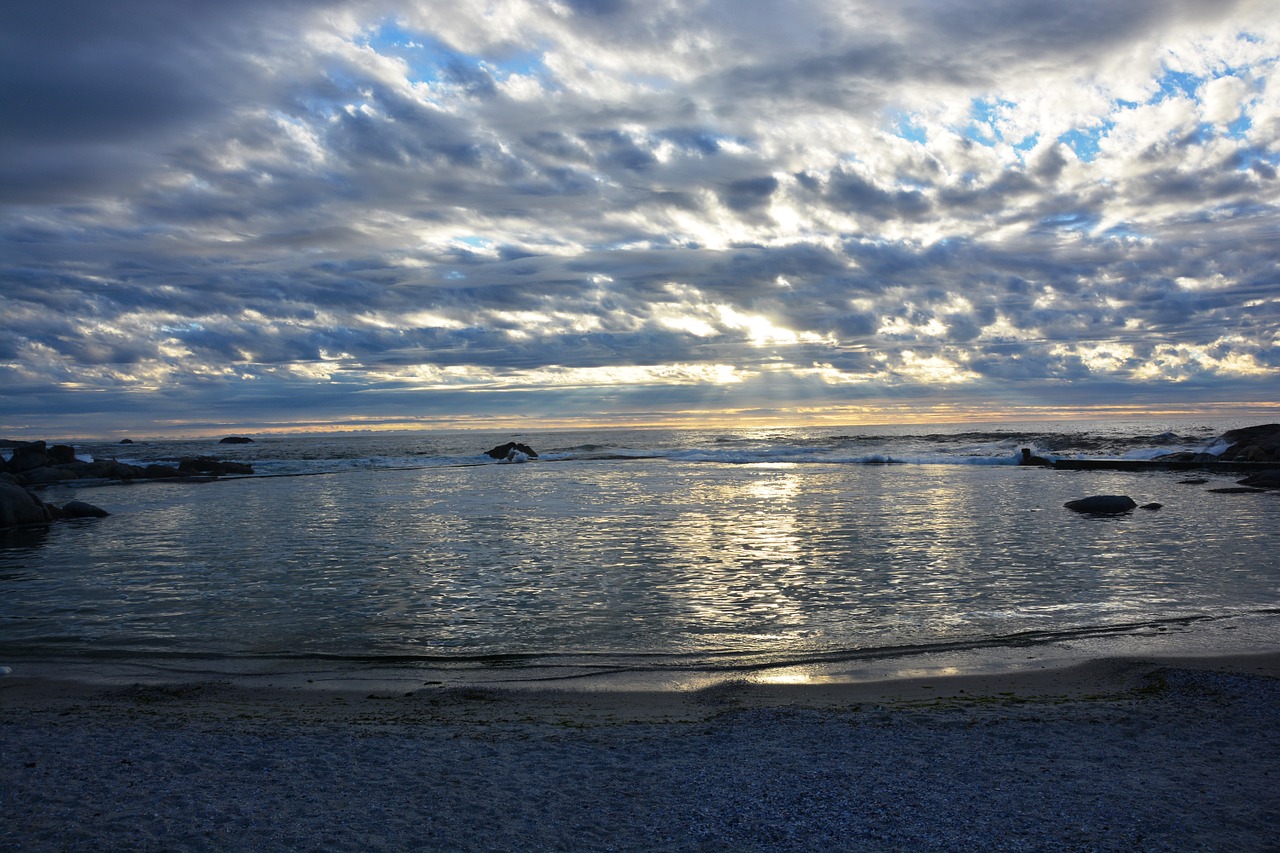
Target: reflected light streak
{"type": "Point", "coordinates": [785, 676]}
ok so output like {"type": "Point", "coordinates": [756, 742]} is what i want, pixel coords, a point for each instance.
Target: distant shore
{"type": "Point", "coordinates": [1155, 754]}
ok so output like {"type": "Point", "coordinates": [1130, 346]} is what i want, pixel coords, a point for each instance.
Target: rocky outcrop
{"type": "Point", "coordinates": [209, 466]}
{"type": "Point", "coordinates": [510, 450]}
{"type": "Point", "coordinates": [20, 508]}
{"type": "Point", "coordinates": [1263, 480]}
{"type": "Point", "coordinates": [1252, 444]}
{"type": "Point", "coordinates": [1102, 504]}
{"type": "Point", "coordinates": [80, 509]}
{"type": "Point", "coordinates": [236, 439]}
{"type": "Point", "coordinates": [33, 463]}
{"type": "Point", "coordinates": [1028, 458]}
{"type": "Point", "coordinates": [28, 457]}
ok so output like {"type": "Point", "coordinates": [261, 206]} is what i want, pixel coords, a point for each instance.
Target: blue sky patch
{"type": "Point", "coordinates": [1174, 84]}
{"type": "Point", "coordinates": [431, 60]}
{"type": "Point", "coordinates": [1086, 141]}
{"type": "Point", "coordinates": [906, 127]}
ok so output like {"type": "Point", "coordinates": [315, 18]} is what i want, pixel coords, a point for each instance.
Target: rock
{"type": "Point", "coordinates": [1185, 456]}
{"type": "Point", "coordinates": [1029, 459]}
{"type": "Point", "coordinates": [236, 439]}
{"type": "Point", "coordinates": [46, 475]}
{"type": "Point", "coordinates": [19, 507]}
{"type": "Point", "coordinates": [1236, 490]}
{"type": "Point", "coordinates": [110, 469]}
{"type": "Point", "coordinates": [1102, 504]}
{"type": "Point", "coordinates": [160, 472]}
{"type": "Point", "coordinates": [1193, 481]}
{"type": "Point", "coordinates": [76, 469]}
{"type": "Point", "coordinates": [509, 450]}
{"type": "Point", "coordinates": [27, 456]}
{"type": "Point", "coordinates": [1253, 444]}
{"type": "Point", "coordinates": [80, 509]}
{"type": "Point", "coordinates": [1151, 506]}
{"type": "Point", "coordinates": [209, 465]}
{"type": "Point", "coordinates": [126, 441]}
{"type": "Point", "coordinates": [1263, 480]}
{"type": "Point", "coordinates": [62, 454]}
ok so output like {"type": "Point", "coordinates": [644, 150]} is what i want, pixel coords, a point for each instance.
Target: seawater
{"type": "Point", "coordinates": [632, 551]}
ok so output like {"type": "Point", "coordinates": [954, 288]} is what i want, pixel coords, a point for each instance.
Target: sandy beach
{"type": "Point", "coordinates": [1167, 754]}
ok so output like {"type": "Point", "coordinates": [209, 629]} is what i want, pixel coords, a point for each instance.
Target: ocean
{"type": "Point", "coordinates": [623, 558]}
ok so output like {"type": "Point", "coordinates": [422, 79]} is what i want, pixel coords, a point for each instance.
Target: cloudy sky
{"type": "Point", "coordinates": [245, 215]}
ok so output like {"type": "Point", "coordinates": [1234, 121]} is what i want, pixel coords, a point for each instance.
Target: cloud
{"type": "Point", "coordinates": [252, 208]}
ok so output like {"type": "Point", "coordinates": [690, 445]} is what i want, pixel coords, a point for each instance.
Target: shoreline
{"type": "Point", "coordinates": [1161, 754]}
{"type": "Point", "coordinates": [1102, 680]}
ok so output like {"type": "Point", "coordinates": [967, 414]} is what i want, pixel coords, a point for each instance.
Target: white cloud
{"type": "Point", "coordinates": [999, 192]}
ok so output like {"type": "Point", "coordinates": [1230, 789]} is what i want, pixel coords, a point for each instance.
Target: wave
{"type": "Point", "coordinates": [534, 667]}
{"type": "Point", "coordinates": [888, 446]}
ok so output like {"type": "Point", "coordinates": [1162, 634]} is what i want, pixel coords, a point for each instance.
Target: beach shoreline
{"type": "Point", "coordinates": [1108, 754]}
{"type": "Point", "coordinates": [1099, 679]}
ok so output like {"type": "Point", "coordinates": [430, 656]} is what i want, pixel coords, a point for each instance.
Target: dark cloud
{"type": "Point", "coordinates": [749, 193]}
{"type": "Point", "coordinates": [853, 193]}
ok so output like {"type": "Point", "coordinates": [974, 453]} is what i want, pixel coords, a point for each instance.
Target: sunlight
{"type": "Point", "coordinates": [933, 369]}
{"type": "Point", "coordinates": [784, 676]}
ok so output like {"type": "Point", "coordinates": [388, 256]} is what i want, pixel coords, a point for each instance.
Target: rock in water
{"type": "Point", "coordinates": [1102, 504]}
{"type": "Point", "coordinates": [1030, 459]}
{"type": "Point", "coordinates": [1253, 444]}
{"type": "Point", "coordinates": [19, 507]}
{"type": "Point", "coordinates": [214, 467]}
{"type": "Point", "coordinates": [80, 509]}
{"type": "Point", "coordinates": [1263, 480]}
{"type": "Point", "coordinates": [236, 439]}
{"type": "Point", "coordinates": [508, 451]}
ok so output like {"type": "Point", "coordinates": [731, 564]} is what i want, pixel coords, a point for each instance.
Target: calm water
{"type": "Point", "coordinates": [636, 549]}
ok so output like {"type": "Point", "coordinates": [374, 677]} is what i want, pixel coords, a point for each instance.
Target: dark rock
{"type": "Point", "coordinates": [160, 472]}
{"type": "Point", "coordinates": [110, 469]}
{"type": "Point", "coordinates": [19, 507]}
{"type": "Point", "coordinates": [126, 441]}
{"type": "Point", "coordinates": [1029, 459]}
{"type": "Point", "coordinates": [1253, 444]}
{"type": "Point", "coordinates": [46, 475]}
{"type": "Point", "coordinates": [509, 450]}
{"type": "Point", "coordinates": [1263, 480]}
{"type": "Point", "coordinates": [27, 456]}
{"type": "Point", "coordinates": [1102, 504]}
{"type": "Point", "coordinates": [236, 439]}
{"type": "Point", "coordinates": [1236, 490]}
{"type": "Point", "coordinates": [213, 467]}
{"type": "Point", "coordinates": [1151, 506]}
{"type": "Point", "coordinates": [80, 509]}
{"type": "Point", "coordinates": [198, 465]}
{"type": "Point", "coordinates": [62, 454]}
{"type": "Point", "coordinates": [1193, 481]}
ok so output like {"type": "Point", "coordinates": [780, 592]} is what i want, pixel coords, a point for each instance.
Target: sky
{"type": "Point", "coordinates": [255, 217]}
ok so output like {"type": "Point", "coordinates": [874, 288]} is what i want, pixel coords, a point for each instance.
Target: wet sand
{"type": "Point", "coordinates": [1156, 754]}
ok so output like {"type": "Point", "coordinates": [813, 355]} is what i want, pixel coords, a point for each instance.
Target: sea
{"type": "Point", "coordinates": [646, 558]}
